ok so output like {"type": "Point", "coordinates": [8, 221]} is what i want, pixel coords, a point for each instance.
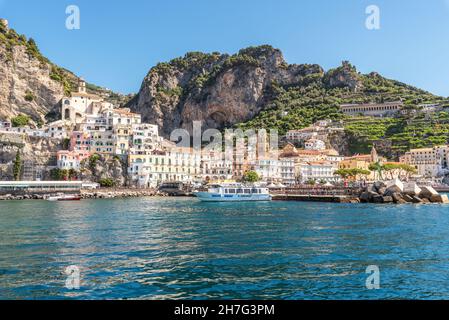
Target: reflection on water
{"type": "Point", "coordinates": [180, 248]}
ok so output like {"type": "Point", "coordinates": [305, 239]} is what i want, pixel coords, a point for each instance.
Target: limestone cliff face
{"type": "Point", "coordinates": [37, 154]}
{"type": "Point", "coordinates": [217, 89]}
{"type": "Point", "coordinates": [344, 76]}
{"type": "Point", "coordinates": [25, 85]}
{"type": "Point", "coordinates": [106, 167]}
{"type": "Point", "coordinates": [31, 84]}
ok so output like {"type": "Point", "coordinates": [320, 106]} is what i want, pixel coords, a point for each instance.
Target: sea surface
{"type": "Point", "coordinates": [180, 248]}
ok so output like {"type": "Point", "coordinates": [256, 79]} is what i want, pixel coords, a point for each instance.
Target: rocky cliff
{"type": "Point", "coordinates": [31, 84]}
{"type": "Point", "coordinates": [218, 89]}
{"type": "Point", "coordinates": [257, 88]}
{"type": "Point", "coordinates": [38, 155]}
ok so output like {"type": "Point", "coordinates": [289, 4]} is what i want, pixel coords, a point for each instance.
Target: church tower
{"type": "Point", "coordinates": [82, 86]}
{"type": "Point", "coordinates": [374, 155]}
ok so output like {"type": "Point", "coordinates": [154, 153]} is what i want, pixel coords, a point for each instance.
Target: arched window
{"type": "Point", "coordinates": [67, 114]}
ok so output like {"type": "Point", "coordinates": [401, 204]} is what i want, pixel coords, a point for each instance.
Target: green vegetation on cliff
{"type": "Point", "coordinates": [405, 132]}
{"type": "Point", "coordinates": [319, 98]}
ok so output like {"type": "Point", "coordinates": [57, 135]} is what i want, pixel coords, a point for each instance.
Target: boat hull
{"type": "Point", "coordinates": [212, 197]}
{"type": "Point", "coordinates": [64, 198]}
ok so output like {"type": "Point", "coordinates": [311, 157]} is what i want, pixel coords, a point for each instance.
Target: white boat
{"type": "Point", "coordinates": [67, 197]}
{"type": "Point", "coordinates": [225, 193]}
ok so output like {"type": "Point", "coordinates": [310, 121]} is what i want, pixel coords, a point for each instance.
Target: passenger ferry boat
{"type": "Point", "coordinates": [222, 193]}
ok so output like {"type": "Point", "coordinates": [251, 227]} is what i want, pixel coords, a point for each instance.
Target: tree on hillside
{"type": "Point", "coordinates": [17, 167]}
{"type": "Point", "coordinates": [377, 167]}
{"type": "Point", "coordinates": [351, 173]}
{"type": "Point", "coordinates": [20, 121]}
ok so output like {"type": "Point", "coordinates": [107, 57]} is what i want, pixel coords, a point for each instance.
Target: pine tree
{"type": "Point", "coordinates": [17, 169]}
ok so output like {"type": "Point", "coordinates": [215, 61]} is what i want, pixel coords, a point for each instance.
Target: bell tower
{"type": "Point", "coordinates": [374, 155]}
{"type": "Point", "coordinates": [82, 86]}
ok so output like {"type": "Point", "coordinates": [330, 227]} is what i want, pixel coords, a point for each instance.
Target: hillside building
{"type": "Point", "coordinates": [372, 109]}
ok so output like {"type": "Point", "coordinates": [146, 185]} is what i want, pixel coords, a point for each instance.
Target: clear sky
{"type": "Point", "coordinates": [119, 41]}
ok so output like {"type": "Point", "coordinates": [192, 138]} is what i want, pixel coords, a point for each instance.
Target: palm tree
{"type": "Point", "coordinates": [377, 167]}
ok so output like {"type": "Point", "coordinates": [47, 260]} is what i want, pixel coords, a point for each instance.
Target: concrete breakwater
{"type": "Point", "coordinates": [92, 194]}
{"type": "Point", "coordinates": [126, 193]}
{"type": "Point", "coordinates": [396, 191]}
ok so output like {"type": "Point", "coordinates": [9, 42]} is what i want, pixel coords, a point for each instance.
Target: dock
{"type": "Point", "coordinates": [314, 198]}
{"type": "Point", "coordinates": [314, 194]}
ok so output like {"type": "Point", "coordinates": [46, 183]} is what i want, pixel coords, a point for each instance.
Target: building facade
{"type": "Point", "coordinates": [372, 109]}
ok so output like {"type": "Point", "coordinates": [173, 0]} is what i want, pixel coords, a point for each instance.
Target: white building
{"type": "Point", "coordinates": [215, 166]}
{"type": "Point", "coordinates": [268, 169]}
{"type": "Point", "coordinates": [315, 144]}
{"type": "Point", "coordinates": [317, 171]}
{"type": "Point", "coordinates": [287, 171]}
{"type": "Point", "coordinates": [149, 169]}
{"type": "Point", "coordinates": [81, 103]}
{"type": "Point", "coordinates": [429, 162]}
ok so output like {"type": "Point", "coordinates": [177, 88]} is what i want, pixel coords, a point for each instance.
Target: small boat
{"type": "Point", "coordinates": [67, 197]}
{"type": "Point", "coordinates": [225, 193]}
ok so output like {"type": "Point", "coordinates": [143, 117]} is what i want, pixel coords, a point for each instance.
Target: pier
{"type": "Point", "coordinates": [334, 195]}
{"type": "Point", "coordinates": [314, 198]}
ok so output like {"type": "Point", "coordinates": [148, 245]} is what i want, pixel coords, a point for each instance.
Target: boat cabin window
{"type": "Point", "coordinates": [239, 190]}
{"type": "Point", "coordinates": [255, 191]}
{"type": "Point", "coordinates": [232, 191]}
{"type": "Point", "coordinates": [247, 191]}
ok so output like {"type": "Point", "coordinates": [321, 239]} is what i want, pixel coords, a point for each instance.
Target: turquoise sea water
{"type": "Point", "coordinates": [170, 248]}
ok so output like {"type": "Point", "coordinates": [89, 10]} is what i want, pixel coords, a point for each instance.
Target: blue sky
{"type": "Point", "coordinates": [119, 41]}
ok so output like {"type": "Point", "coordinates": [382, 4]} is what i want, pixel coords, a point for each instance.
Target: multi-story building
{"type": "Point", "coordinates": [75, 108]}
{"type": "Point", "coordinates": [268, 169]}
{"type": "Point", "coordinates": [315, 144]}
{"type": "Point", "coordinates": [215, 166]}
{"type": "Point", "coordinates": [79, 150]}
{"type": "Point", "coordinates": [319, 130]}
{"type": "Point", "coordinates": [71, 159]}
{"type": "Point", "coordinates": [316, 171]}
{"type": "Point", "coordinates": [150, 168]}
{"type": "Point", "coordinates": [372, 109]}
{"type": "Point", "coordinates": [429, 162]}
{"type": "Point", "coordinates": [102, 142]}
{"type": "Point", "coordinates": [287, 171]}
{"type": "Point", "coordinates": [122, 136]}
{"type": "Point", "coordinates": [123, 117]}
{"type": "Point", "coordinates": [80, 141]}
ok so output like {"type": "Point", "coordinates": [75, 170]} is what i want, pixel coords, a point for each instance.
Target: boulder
{"type": "Point", "coordinates": [387, 199]}
{"type": "Point", "coordinates": [367, 196]}
{"type": "Point", "coordinates": [398, 198]}
{"type": "Point", "coordinates": [425, 200]}
{"type": "Point", "coordinates": [416, 199]}
{"type": "Point", "coordinates": [390, 192]}
{"type": "Point", "coordinates": [378, 199]}
{"type": "Point", "coordinates": [407, 198]}
{"type": "Point", "coordinates": [427, 192]}
{"type": "Point", "coordinates": [412, 189]}
{"type": "Point", "coordinates": [378, 185]}
{"type": "Point", "coordinates": [382, 190]}
{"type": "Point", "coordinates": [440, 198]}
{"type": "Point", "coordinates": [395, 186]}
